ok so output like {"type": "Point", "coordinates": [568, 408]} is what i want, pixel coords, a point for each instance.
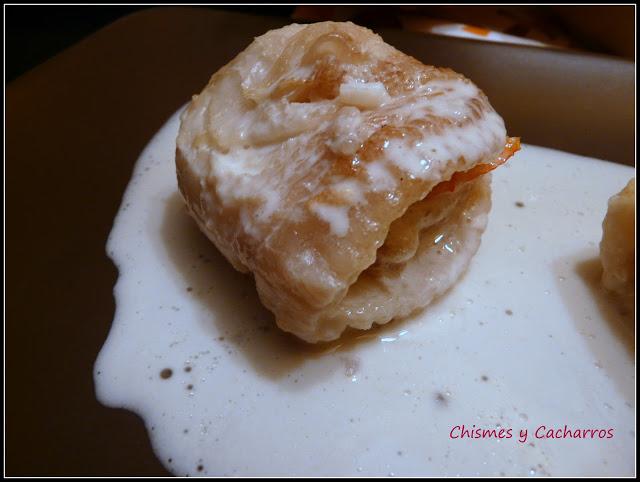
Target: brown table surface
{"type": "Point", "coordinates": [75, 126]}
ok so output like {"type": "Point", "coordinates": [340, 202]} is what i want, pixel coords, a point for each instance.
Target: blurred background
{"type": "Point", "coordinates": [35, 33]}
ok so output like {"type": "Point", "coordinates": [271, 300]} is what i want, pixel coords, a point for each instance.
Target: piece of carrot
{"type": "Point", "coordinates": [482, 32]}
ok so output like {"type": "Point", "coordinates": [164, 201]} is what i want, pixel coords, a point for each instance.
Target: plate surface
{"type": "Point", "coordinates": [526, 339]}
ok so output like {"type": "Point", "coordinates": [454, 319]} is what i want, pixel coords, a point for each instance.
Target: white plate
{"type": "Point", "coordinates": [525, 339]}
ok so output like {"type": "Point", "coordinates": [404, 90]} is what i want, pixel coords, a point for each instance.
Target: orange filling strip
{"type": "Point", "coordinates": [511, 147]}
{"type": "Point", "coordinates": [482, 32]}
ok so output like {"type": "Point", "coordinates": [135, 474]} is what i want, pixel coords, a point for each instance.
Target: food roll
{"type": "Point", "coordinates": [350, 179]}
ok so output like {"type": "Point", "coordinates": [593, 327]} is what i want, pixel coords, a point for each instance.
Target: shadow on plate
{"type": "Point", "coordinates": [611, 309]}
{"type": "Point", "coordinates": [238, 315]}
{"type": "Point", "coordinates": [589, 298]}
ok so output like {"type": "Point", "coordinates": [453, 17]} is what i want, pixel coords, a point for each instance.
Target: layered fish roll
{"type": "Point", "coordinates": [350, 179]}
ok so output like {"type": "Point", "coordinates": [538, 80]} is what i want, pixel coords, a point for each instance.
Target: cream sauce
{"type": "Point", "coordinates": [336, 216]}
{"type": "Point", "coordinates": [260, 404]}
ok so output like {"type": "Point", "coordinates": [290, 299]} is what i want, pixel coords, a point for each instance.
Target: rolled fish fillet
{"type": "Point", "coordinates": [348, 177]}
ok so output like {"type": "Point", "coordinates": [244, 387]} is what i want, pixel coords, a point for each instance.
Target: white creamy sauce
{"type": "Point", "coordinates": [245, 181]}
{"type": "Point", "coordinates": [336, 216]}
{"type": "Point", "coordinates": [471, 140]}
{"type": "Point", "coordinates": [349, 190]}
{"type": "Point", "coordinates": [440, 98]}
{"type": "Point", "coordinates": [411, 159]}
{"type": "Point", "coordinates": [366, 95]}
{"type": "Point", "coordinates": [349, 132]}
{"type": "Point", "coordinates": [380, 177]}
{"type": "Point", "coordinates": [278, 121]}
{"type": "Point", "coordinates": [451, 99]}
{"type": "Point", "coordinates": [272, 202]}
{"type": "Point", "coordinates": [468, 142]}
{"type": "Point", "coordinates": [521, 341]}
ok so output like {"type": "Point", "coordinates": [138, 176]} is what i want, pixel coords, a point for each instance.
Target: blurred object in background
{"type": "Point", "coordinates": [35, 33]}
{"type": "Point", "coordinates": [520, 25]}
{"type": "Point", "coordinates": [608, 28]}
{"type": "Point", "coordinates": [600, 29]}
